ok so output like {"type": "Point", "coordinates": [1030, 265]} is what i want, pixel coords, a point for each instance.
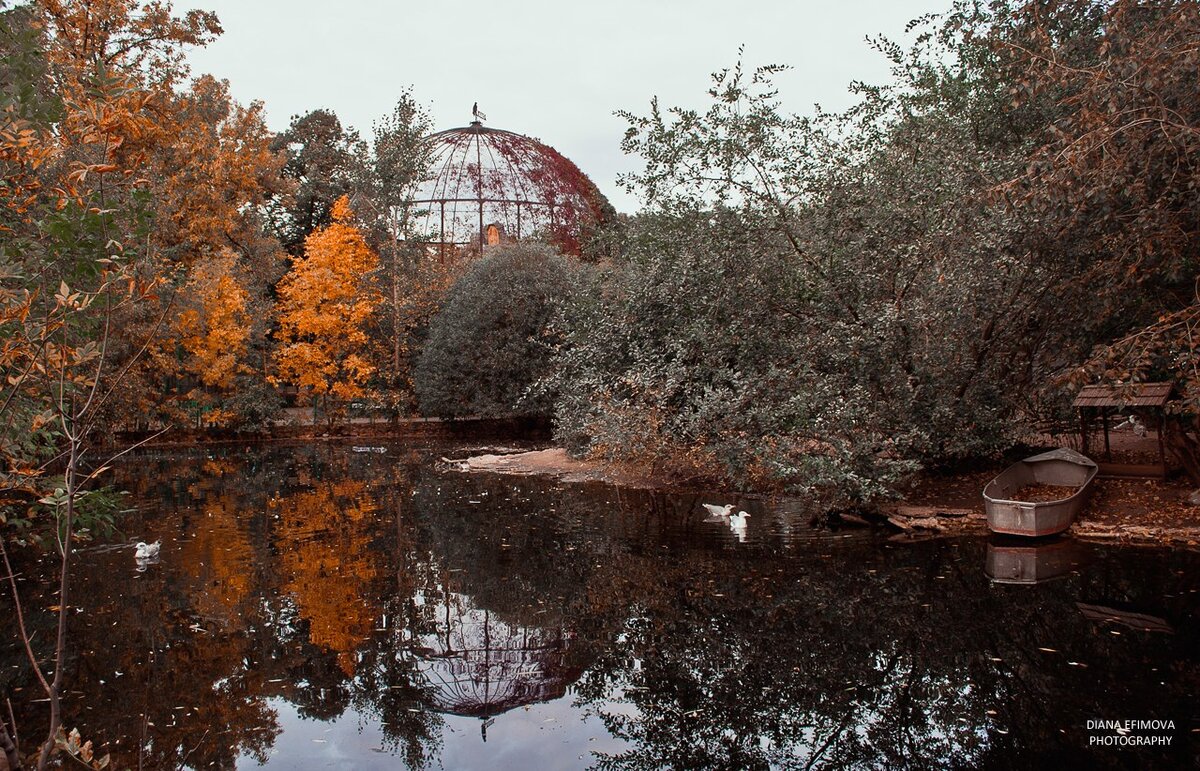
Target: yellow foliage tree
{"type": "Point", "coordinates": [325, 306]}
{"type": "Point", "coordinates": [213, 330]}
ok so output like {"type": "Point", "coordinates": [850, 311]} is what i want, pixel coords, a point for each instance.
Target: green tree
{"type": "Point", "coordinates": [491, 341]}
{"type": "Point", "coordinates": [399, 161]}
{"type": "Point", "coordinates": [323, 160]}
{"type": "Point", "coordinates": [910, 277]}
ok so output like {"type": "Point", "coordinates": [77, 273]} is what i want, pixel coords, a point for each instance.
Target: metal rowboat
{"type": "Point", "coordinates": [1062, 467]}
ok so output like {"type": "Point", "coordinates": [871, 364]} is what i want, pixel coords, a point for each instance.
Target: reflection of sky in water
{"type": "Point", "coordinates": [546, 736]}
{"type": "Point", "coordinates": [319, 608]}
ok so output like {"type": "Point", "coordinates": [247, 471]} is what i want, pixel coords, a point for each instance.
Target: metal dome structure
{"type": "Point", "coordinates": [490, 186]}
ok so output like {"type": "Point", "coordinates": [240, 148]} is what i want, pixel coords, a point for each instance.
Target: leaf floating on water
{"type": "Point", "coordinates": [1048, 650]}
{"type": "Point", "coordinates": [1076, 664]}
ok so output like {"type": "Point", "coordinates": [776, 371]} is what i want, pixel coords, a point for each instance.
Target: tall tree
{"type": "Point", "coordinates": [326, 304]}
{"type": "Point", "coordinates": [323, 160]}
{"type": "Point", "coordinates": [81, 253]}
{"type": "Point", "coordinates": [399, 162]}
{"type": "Point", "coordinates": [1113, 182]}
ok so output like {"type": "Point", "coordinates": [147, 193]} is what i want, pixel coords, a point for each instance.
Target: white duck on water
{"type": "Point", "coordinates": [146, 551]}
{"type": "Point", "coordinates": [717, 513]}
{"type": "Point", "coordinates": [737, 523]}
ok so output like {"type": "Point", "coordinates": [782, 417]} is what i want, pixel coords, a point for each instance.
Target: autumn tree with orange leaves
{"type": "Point", "coordinates": [214, 329]}
{"type": "Point", "coordinates": [207, 175]}
{"type": "Point", "coordinates": [212, 176]}
{"type": "Point", "coordinates": [326, 305]}
{"type": "Point", "coordinates": [98, 131]}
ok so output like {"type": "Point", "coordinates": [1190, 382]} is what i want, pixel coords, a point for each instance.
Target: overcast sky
{"type": "Point", "coordinates": [553, 70]}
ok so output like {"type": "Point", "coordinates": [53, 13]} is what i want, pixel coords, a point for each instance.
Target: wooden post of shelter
{"type": "Point", "coordinates": [1102, 399]}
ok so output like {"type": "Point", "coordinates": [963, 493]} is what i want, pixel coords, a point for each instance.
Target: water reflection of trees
{"type": "Point", "coordinates": [900, 661]}
{"type": "Point", "coordinates": [333, 581]}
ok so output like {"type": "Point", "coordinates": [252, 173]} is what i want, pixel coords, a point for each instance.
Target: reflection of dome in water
{"type": "Point", "coordinates": [491, 185]}
{"type": "Point", "coordinates": [479, 665]}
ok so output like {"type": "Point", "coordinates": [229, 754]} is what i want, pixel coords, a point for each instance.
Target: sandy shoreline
{"type": "Point", "coordinates": [553, 462]}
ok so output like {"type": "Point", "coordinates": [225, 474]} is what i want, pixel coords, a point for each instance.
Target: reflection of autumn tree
{"type": "Point", "coordinates": [223, 559]}
{"type": "Point", "coordinates": [326, 579]}
{"type": "Point", "coordinates": [158, 648]}
{"type": "Point", "coordinates": [192, 649]}
{"type": "Point", "coordinates": [324, 540]}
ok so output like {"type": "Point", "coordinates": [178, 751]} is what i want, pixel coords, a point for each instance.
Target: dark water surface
{"type": "Point", "coordinates": [328, 607]}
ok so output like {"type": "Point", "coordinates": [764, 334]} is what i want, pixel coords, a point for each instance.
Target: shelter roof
{"type": "Point", "coordinates": [1128, 395]}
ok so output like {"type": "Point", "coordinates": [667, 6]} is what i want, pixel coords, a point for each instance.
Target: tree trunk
{"type": "Point", "coordinates": [54, 692]}
{"type": "Point", "coordinates": [395, 311]}
{"type": "Point", "coordinates": [1186, 448]}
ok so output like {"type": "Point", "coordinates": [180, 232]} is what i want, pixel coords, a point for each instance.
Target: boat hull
{"type": "Point", "coordinates": [1036, 519]}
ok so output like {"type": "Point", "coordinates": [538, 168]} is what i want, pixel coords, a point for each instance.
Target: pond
{"type": "Point", "coordinates": [333, 606]}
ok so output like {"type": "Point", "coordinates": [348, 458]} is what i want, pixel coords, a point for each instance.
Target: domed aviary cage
{"type": "Point", "coordinates": [491, 186]}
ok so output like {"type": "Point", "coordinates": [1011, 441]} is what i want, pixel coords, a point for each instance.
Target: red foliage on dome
{"type": "Point", "coordinates": [490, 177]}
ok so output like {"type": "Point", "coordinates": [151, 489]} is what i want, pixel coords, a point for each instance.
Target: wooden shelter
{"type": "Point", "coordinates": [1138, 399]}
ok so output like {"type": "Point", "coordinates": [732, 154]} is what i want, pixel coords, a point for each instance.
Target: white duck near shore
{"type": "Point", "coordinates": [146, 551]}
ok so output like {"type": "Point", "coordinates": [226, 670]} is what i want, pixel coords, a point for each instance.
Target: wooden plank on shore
{"type": "Point", "coordinates": [925, 512]}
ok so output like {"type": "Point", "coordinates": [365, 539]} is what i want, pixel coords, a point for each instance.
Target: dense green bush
{"type": "Point", "coordinates": [490, 342]}
{"type": "Point", "coordinates": [825, 304]}
{"type": "Point", "coordinates": [695, 358]}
